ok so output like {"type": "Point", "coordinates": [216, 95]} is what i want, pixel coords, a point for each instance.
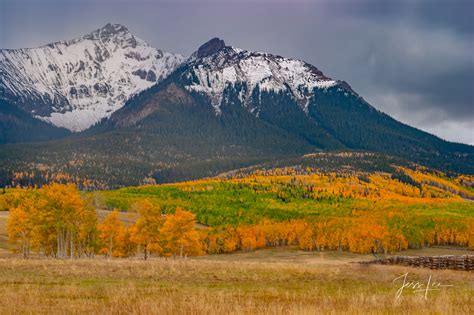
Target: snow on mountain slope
{"type": "Point", "coordinates": [74, 84]}
{"type": "Point", "coordinates": [215, 67]}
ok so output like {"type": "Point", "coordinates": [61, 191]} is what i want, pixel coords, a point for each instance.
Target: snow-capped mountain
{"type": "Point", "coordinates": [76, 83]}
{"type": "Point", "coordinates": [216, 67]}
{"type": "Point", "coordinates": [220, 109]}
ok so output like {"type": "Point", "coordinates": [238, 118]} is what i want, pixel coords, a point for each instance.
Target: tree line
{"type": "Point", "coordinates": [57, 221]}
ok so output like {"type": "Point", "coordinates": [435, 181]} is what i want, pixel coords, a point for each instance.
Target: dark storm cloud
{"type": "Point", "coordinates": [457, 15]}
{"type": "Point", "coordinates": [436, 66]}
{"type": "Point", "coordinates": [420, 64]}
{"type": "Point", "coordinates": [411, 59]}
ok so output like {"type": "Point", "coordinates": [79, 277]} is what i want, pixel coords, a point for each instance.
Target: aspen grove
{"type": "Point", "coordinates": [59, 221]}
{"type": "Point", "coordinates": [56, 221]}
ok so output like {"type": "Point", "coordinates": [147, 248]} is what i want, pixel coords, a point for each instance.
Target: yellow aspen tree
{"type": "Point", "coordinates": [148, 225]}
{"type": "Point", "coordinates": [87, 229]}
{"type": "Point", "coordinates": [109, 232]}
{"type": "Point", "coordinates": [126, 243]}
{"type": "Point", "coordinates": [63, 214]}
{"type": "Point", "coordinates": [21, 222]}
{"type": "Point", "coordinates": [231, 240]}
{"type": "Point", "coordinates": [179, 235]}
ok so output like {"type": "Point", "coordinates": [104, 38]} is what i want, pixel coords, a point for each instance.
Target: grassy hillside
{"type": "Point", "coordinates": [249, 200]}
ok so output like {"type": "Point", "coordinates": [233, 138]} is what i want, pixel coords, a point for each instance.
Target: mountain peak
{"type": "Point", "coordinates": [75, 83]}
{"type": "Point", "coordinates": [109, 31]}
{"type": "Point", "coordinates": [110, 28]}
{"type": "Point", "coordinates": [210, 47]}
{"type": "Point", "coordinates": [216, 67]}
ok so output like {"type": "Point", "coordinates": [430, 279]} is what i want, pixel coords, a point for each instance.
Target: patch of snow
{"type": "Point", "coordinates": [232, 66]}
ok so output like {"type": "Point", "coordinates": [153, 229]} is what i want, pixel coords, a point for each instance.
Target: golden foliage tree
{"type": "Point", "coordinates": [110, 234]}
{"type": "Point", "coordinates": [21, 223]}
{"type": "Point", "coordinates": [179, 236]}
{"type": "Point", "coordinates": [55, 220]}
{"type": "Point", "coordinates": [146, 231]}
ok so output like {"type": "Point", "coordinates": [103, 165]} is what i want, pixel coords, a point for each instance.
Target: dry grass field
{"type": "Point", "coordinates": [270, 281]}
{"type": "Point", "coordinates": [265, 282]}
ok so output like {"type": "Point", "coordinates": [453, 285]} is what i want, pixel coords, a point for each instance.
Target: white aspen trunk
{"type": "Point", "coordinates": [58, 245]}
{"type": "Point", "coordinates": [72, 245]}
{"type": "Point", "coordinates": [23, 244]}
{"type": "Point", "coordinates": [110, 246]}
{"type": "Point", "coordinates": [62, 243]}
{"type": "Point", "coordinates": [65, 241]}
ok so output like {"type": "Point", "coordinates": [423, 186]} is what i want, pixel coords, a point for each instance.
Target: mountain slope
{"type": "Point", "coordinates": [76, 83]}
{"type": "Point", "coordinates": [226, 108]}
{"type": "Point", "coordinates": [169, 136]}
{"type": "Point", "coordinates": [297, 98]}
{"type": "Point", "coordinates": [369, 129]}
{"type": "Point", "coordinates": [18, 126]}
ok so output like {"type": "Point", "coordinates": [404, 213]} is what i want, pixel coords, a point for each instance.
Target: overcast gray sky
{"type": "Point", "coordinates": [412, 59]}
